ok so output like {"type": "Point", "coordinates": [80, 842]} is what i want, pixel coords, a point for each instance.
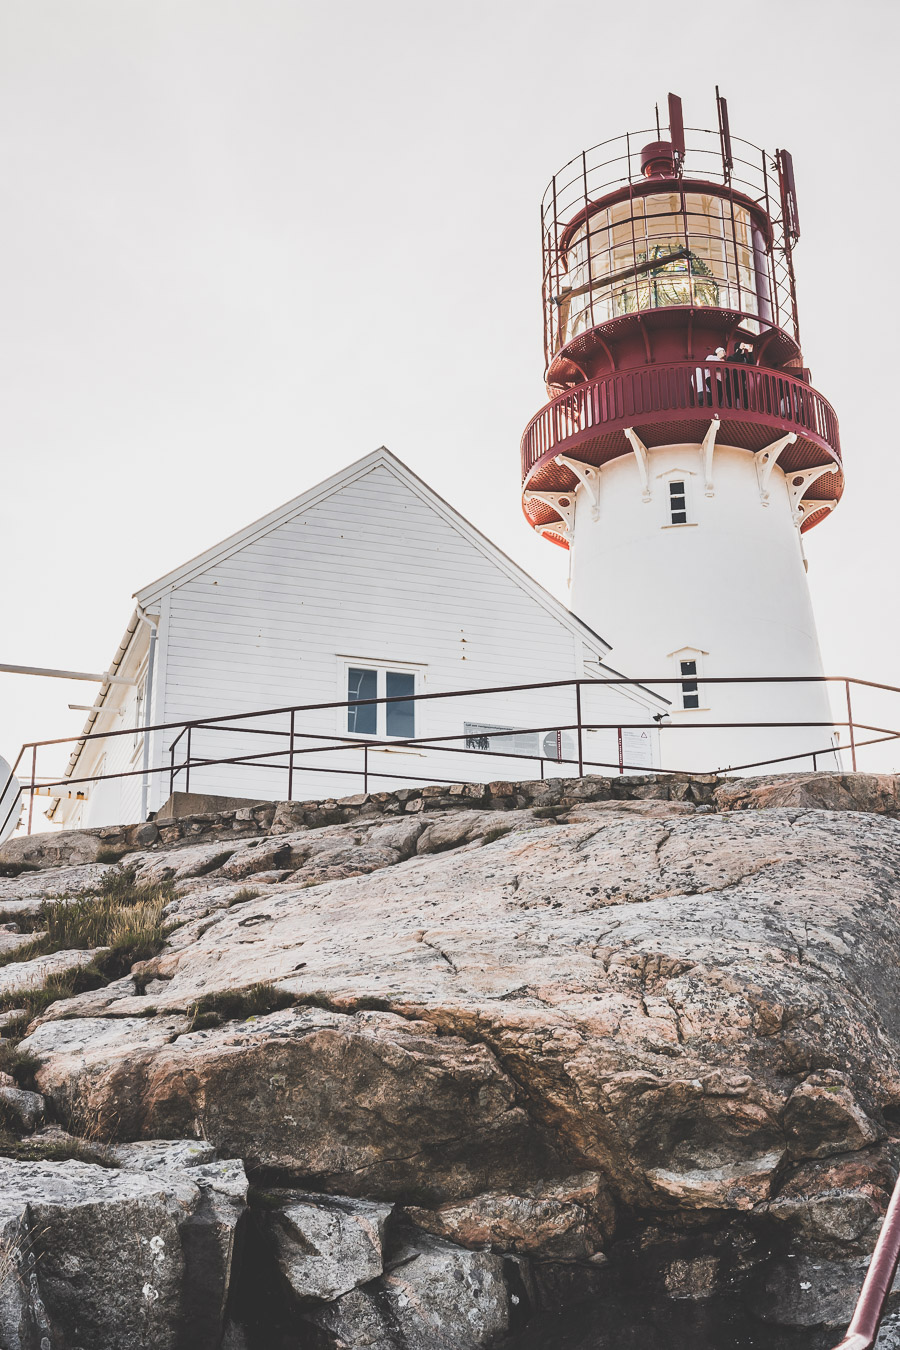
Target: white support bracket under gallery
{"type": "Point", "coordinates": [810, 506]}
{"type": "Point", "coordinates": [589, 478]}
{"type": "Point", "coordinates": [709, 445]}
{"type": "Point", "coordinates": [563, 502]}
{"type": "Point", "coordinates": [766, 459]}
{"type": "Point", "coordinates": [557, 527]}
{"type": "Point", "coordinates": [643, 461]}
{"type": "Point", "coordinates": [798, 483]}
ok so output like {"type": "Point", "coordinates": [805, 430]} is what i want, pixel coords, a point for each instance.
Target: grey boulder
{"type": "Point", "coordinates": [435, 1296]}
{"type": "Point", "coordinates": [116, 1259]}
{"type": "Point", "coordinates": [327, 1245]}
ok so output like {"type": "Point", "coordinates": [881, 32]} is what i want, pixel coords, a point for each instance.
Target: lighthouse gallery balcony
{"type": "Point", "coordinates": [674, 403]}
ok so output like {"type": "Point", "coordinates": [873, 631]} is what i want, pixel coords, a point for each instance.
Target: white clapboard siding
{"type": "Point", "coordinates": [373, 572]}
{"type": "Point", "coordinates": [116, 799]}
{"type": "Point", "coordinates": [371, 567]}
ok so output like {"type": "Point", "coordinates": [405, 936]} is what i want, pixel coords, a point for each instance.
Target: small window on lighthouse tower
{"type": "Point", "coordinates": [690, 690]}
{"type": "Point", "coordinates": [677, 505]}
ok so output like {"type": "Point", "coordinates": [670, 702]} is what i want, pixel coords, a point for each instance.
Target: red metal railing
{"type": "Point", "coordinates": [863, 1329]}
{"type": "Point", "coordinates": [614, 165]}
{"type": "Point", "coordinates": [295, 746]}
{"type": "Point", "coordinates": [629, 397]}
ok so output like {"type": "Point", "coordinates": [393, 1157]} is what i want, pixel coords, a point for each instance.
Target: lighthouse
{"type": "Point", "coordinates": [684, 453]}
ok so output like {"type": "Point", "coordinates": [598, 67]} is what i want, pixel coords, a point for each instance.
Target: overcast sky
{"type": "Point", "coordinates": [247, 241]}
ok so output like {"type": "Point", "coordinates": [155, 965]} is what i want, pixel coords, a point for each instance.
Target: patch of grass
{"type": "Point", "coordinates": [232, 1005]}
{"type": "Point", "coordinates": [35, 1149]}
{"type": "Point", "coordinates": [542, 812]}
{"type": "Point", "coordinates": [119, 915]}
{"type": "Point", "coordinates": [496, 833]}
{"type": "Point", "coordinates": [20, 1064]}
{"type": "Point", "coordinates": [365, 1003]}
{"type": "Point", "coordinates": [243, 895]}
{"type": "Point", "coordinates": [124, 919]}
{"type": "Point", "coordinates": [62, 984]}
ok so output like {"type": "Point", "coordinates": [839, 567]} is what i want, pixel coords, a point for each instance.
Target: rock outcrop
{"type": "Point", "coordinates": [487, 1052]}
{"type": "Point", "coordinates": [119, 1255]}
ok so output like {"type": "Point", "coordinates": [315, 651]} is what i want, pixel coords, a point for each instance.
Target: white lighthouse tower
{"type": "Point", "coordinates": [684, 452]}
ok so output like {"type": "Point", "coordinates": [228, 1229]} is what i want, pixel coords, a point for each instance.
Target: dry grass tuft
{"type": "Point", "coordinates": [126, 918]}
{"type": "Point", "coordinates": [232, 1005]}
{"type": "Point", "coordinates": [243, 895]}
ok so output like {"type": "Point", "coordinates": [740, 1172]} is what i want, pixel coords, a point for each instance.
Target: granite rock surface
{"type": "Point", "coordinates": [558, 1036]}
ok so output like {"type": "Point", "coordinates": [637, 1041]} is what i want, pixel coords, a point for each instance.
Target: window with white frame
{"type": "Point", "coordinates": [690, 689]}
{"type": "Point", "coordinates": [677, 502]}
{"type": "Point", "coordinates": [395, 718]}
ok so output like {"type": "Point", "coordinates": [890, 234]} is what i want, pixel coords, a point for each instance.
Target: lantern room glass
{"type": "Point", "coordinates": [655, 251]}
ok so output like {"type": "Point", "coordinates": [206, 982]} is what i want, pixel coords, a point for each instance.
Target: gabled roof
{"type": "Point", "coordinates": [149, 595]}
{"type": "Point", "coordinates": [381, 458]}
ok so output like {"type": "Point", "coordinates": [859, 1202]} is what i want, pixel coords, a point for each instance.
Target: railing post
{"type": "Point", "coordinates": [863, 1329]}
{"type": "Point", "coordinates": [291, 761]}
{"type": "Point", "coordinates": [171, 768]}
{"type": "Point", "coordinates": [366, 768]}
{"type": "Point", "coordinates": [187, 762]}
{"type": "Point", "coordinates": [15, 801]}
{"type": "Point", "coordinates": [621, 750]}
{"type": "Point", "coordinates": [578, 719]}
{"type": "Point", "coordinates": [31, 794]}
{"type": "Point", "coordinates": [850, 724]}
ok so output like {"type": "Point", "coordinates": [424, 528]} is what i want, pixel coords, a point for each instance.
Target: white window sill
{"type": "Point", "coordinates": [688, 710]}
{"type": "Point", "coordinates": [364, 737]}
{"type": "Point", "coordinates": [390, 750]}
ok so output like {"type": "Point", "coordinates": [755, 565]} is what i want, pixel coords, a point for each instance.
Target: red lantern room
{"type": "Point", "coordinates": [669, 299]}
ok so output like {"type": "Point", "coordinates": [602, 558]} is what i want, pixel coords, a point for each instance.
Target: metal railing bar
{"type": "Point", "coordinates": [325, 744]}
{"type": "Point", "coordinates": [805, 754]}
{"type": "Point", "coordinates": [438, 743]}
{"type": "Point", "coordinates": [13, 807]}
{"type": "Point", "coordinates": [252, 761]}
{"type": "Point", "coordinates": [600, 683]}
{"type": "Point", "coordinates": [863, 1329]}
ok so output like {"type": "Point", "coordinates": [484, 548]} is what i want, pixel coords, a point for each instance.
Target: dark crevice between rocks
{"type": "Point", "coordinates": [717, 1287]}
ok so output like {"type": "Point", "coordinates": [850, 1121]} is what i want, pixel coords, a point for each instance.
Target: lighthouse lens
{"type": "Point", "coordinates": [659, 251]}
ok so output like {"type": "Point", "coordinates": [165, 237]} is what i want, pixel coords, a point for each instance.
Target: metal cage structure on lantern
{"type": "Point", "coordinates": [670, 314]}
{"type": "Point", "coordinates": [705, 221]}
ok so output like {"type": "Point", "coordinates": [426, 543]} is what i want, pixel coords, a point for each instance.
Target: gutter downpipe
{"type": "Point", "coordinates": [148, 707]}
{"type": "Point", "coordinates": [863, 1329]}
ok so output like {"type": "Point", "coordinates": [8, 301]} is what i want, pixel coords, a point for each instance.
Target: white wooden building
{"type": "Point", "coordinates": [367, 586]}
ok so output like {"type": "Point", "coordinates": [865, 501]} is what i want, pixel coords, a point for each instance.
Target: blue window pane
{"type": "Point", "coordinates": [401, 717]}
{"type": "Point", "coordinates": [362, 684]}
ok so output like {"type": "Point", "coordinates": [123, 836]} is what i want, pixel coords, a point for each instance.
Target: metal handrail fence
{"type": "Point", "coordinates": [614, 401]}
{"type": "Point", "coordinates": [293, 757]}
